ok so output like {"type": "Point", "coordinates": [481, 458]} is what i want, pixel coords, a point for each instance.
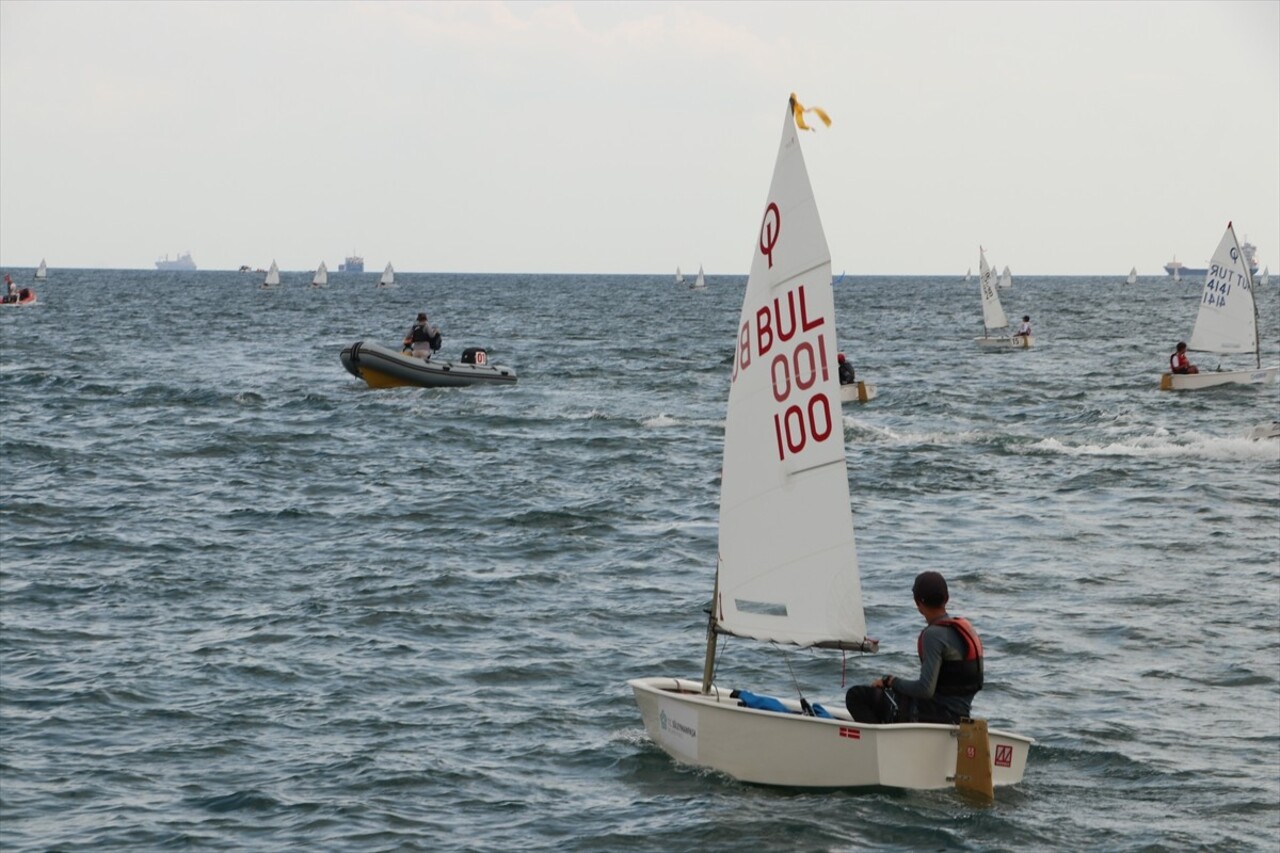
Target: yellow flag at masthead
{"type": "Point", "coordinates": [799, 110]}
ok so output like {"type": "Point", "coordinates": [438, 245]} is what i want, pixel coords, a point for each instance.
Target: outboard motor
{"type": "Point", "coordinates": [475, 355]}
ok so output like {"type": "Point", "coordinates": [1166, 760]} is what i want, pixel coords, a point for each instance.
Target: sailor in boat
{"type": "Point", "coordinates": [950, 668]}
{"type": "Point", "coordinates": [1024, 331]}
{"type": "Point", "coordinates": [845, 370]}
{"type": "Point", "coordinates": [422, 339]}
{"type": "Point", "coordinates": [11, 295]}
{"type": "Point", "coordinates": [1179, 363]}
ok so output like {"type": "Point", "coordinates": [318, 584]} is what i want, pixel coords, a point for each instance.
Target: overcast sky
{"type": "Point", "coordinates": [1068, 138]}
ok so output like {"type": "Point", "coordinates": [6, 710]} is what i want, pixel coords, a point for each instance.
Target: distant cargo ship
{"type": "Point", "coordinates": [354, 263]}
{"type": "Point", "coordinates": [1177, 269]}
{"type": "Point", "coordinates": [182, 262]}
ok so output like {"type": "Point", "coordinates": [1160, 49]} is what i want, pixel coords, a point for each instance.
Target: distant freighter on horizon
{"type": "Point", "coordinates": [354, 263]}
{"type": "Point", "coordinates": [182, 262]}
{"type": "Point", "coordinates": [1176, 268]}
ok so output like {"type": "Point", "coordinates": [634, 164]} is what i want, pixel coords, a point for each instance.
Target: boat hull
{"type": "Point", "coordinates": [381, 367]}
{"type": "Point", "coordinates": [29, 299]}
{"type": "Point", "coordinates": [792, 750]}
{"type": "Point", "coordinates": [1214, 378]}
{"type": "Point", "coordinates": [857, 392]}
{"type": "Point", "coordinates": [1005, 342]}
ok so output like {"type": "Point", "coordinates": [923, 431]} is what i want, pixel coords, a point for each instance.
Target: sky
{"type": "Point", "coordinates": [1076, 138]}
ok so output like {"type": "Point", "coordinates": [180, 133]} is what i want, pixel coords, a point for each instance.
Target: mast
{"type": "Point", "coordinates": [709, 665]}
{"type": "Point", "coordinates": [1257, 336]}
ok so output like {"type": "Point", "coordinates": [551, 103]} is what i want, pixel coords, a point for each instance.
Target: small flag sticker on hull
{"type": "Point", "coordinates": [852, 734]}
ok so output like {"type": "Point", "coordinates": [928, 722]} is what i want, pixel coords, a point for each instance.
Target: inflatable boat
{"type": "Point", "coordinates": [26, 296]}
{"type": "Point", "coordinates": [382, 367]}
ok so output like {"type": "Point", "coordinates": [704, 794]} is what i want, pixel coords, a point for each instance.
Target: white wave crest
{"type": "Point", "coordinates": [1165, 445]}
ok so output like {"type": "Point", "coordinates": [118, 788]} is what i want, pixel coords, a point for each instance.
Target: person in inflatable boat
{"type": "Point", "coordinates": [422, 339]}
{"type": "Point", "coordinates": [950, 668]}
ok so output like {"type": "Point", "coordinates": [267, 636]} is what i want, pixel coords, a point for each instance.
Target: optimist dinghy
{"type": "Point", "coordinates": [788, 569]}
{"type": "Point", "coordinates": [382, 367]}
{"type": "Point", "coordinates": [857, 392]}
{"type": "Point", "coordinates": [1227, 323]}
{"type": "Point", "coordinates": [993, 317]}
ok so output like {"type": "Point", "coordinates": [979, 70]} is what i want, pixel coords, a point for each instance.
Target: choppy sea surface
{"type": "Point", "coordinates": [248, 603]}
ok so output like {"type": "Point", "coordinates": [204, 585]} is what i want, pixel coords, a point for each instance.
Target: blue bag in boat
{"type": "Point", "coordinates": [748, 699]}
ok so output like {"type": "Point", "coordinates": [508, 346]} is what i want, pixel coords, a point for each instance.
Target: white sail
{"type": "Point", "coordinates": [1228, 321]}
{"type": "Point", "coordinates": [273, 276]}
{"type": "Point", "coordinates": [992, 313]}
{"type": "Point", "coordinates": [388, 276]}
{"type": "Point", "coordinates": [1266, 276]}
{"type": "Point", "coordinates": [42, 272]}
{"type": "Point", "coordinates": [679, 276]}
{"type": "Point", "coordinates": [1133, 276]}
{"type": "Point", "coordinates": [968, 274]}
{"type": "Point", "coordinates": [1006, 279]}
{"type": "Point", "coordinates": [321, 278]}
{"type": "Point", "coordinates": [701, 281]}
{"type": "Point", "coordinates": [788, 569]}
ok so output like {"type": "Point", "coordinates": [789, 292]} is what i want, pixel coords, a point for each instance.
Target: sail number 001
{"type": "Point", "coordinates": [810, 419]}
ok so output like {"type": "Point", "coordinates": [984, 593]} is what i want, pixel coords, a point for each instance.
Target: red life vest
{"type": "Point", "coordinates": [957, 677]}
{"type": "Point", "coordinates": [1178, 363]}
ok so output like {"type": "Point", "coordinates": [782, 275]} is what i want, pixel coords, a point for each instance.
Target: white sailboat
{"type": "Point", "coordinates": [1133, 276]}
{"type": "Point", "coordinates": [321, 278]}
{"type": "Point", "coordinates": [968, 275]}
{"type": "Point", "coordinates": [700, 282]}
{"type": "Point", "coordinates": [858, 392]}
{"type": "Point", "coordinates": [788, 570]}
{"type": "Point", "coordinates": [993, 317]}
{"type": "Point", "coordinates": [1227, 323]}
{"type": "Point", "coordinates": [388, 276]}
{"type": "Point", "coordinates": [272, 278]}
{"type": "Point", "coordinates": [1006, 279]}
{"type": "Point", "coordinates": [42, 271]}
{"type": "Point", "coordinates": [1265, 279]}
{"type": "Point", "coordinates": [679, 276]}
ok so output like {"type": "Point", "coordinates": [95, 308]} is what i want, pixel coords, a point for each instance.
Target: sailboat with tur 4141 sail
{"type": "Point", "coordinates": [1227, 323]}
{"type": "Point", "coordinates": [788, 568]}
{"type": "Point", "coordinates": [993, 317]}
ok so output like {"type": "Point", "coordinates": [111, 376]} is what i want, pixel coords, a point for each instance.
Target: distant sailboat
{"type": "Point", "coordinates": [1227, 323]}
{"type": "Point", "coordinates": [321, 278]}
{"type": "Point", "coordinates": [968, 275]}
{"type": "Point", "coordinates": [1006, 279]}
{"type": "Point", "coordinates": [388, 276]}
{"type": "Point", "coordinates": [993, 316]}
{"type": "Point", "coordinates": [1266, 277]}
{"type": "Point", "coordinates": [273, 276]}
{"type": "Point", "coordinates": [1133, 276]}
{"type": "Point", "coordinates": [701, 281]}
{"type": "Point", "coordinates": [679, 276]}
{"type": "Point", "coordinates": [42, 271]}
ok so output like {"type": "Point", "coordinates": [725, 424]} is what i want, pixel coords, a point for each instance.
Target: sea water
{"type": "Point", "coordinates": [247, 602]}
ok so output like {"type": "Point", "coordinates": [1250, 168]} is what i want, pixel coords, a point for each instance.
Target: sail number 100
{"type": "Point", "coordinates": [807, 419]}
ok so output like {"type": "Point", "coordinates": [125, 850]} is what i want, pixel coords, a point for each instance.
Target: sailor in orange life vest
{"type": "Point", "coordinates": [950, 668]}
{"type": "Point", "coordinates": [1179, 363]}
